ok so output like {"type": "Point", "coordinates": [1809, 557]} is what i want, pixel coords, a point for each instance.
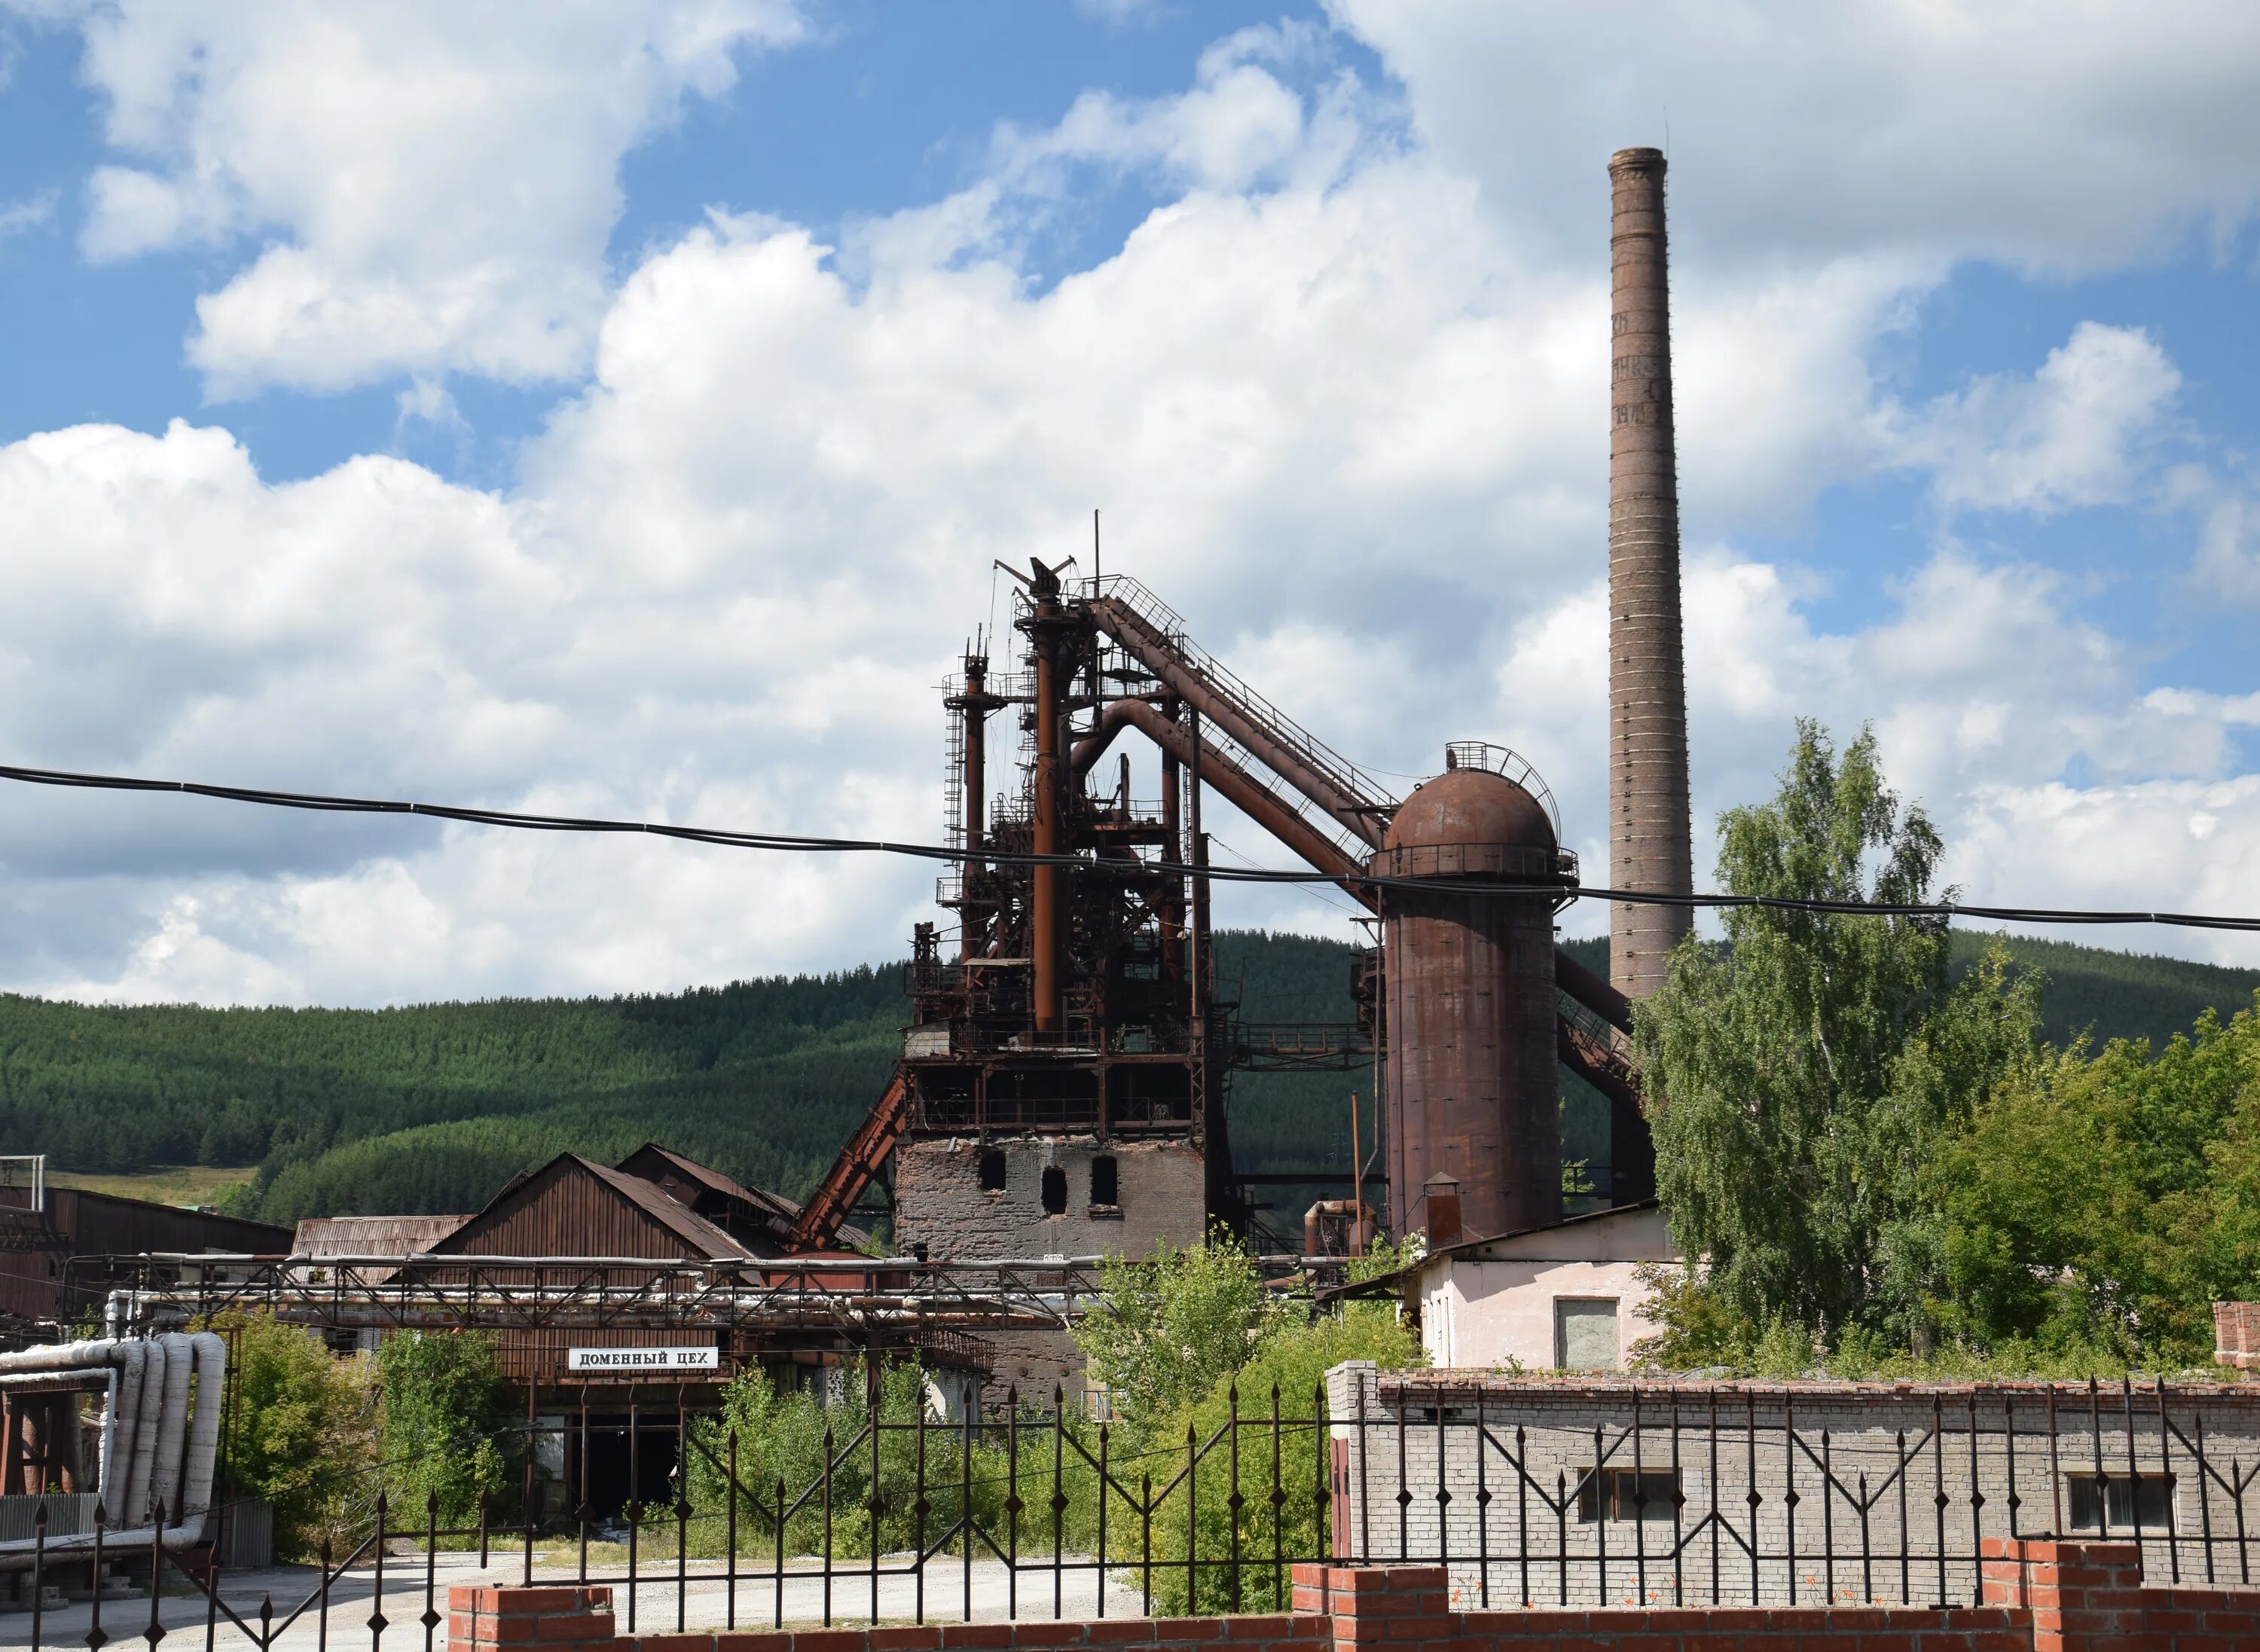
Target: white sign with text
{"type": "Point", "coordinates": [636, 1361]}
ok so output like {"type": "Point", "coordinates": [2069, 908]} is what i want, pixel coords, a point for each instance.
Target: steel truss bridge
{"type": "Point", "coordinates": [852, 1297]}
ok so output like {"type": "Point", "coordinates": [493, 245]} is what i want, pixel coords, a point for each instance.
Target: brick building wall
{"type": "Point", "coordinates": [1462, 1433]}
{"type": "Point", "coordinates": [1160, 1192]}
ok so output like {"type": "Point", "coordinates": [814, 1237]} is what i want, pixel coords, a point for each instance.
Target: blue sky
{"type": "Point", "coordinates": [628, 416]}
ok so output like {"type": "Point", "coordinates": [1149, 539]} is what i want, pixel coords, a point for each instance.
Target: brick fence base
{"type": "Point", "coordinates": [2039, 1597]}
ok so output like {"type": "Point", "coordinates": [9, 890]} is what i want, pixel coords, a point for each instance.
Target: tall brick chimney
{"type": "Point", "coordinates": [1649, 829]}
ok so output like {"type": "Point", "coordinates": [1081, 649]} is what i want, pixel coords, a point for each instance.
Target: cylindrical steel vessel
{"type": "Point", "coordinates": [1473, 1087]}
{"type": "Point", "coordinates": [1649, 846]}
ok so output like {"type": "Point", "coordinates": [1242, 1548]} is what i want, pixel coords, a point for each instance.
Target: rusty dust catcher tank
{"type": "Point", "coordinates": [1473, 1084]}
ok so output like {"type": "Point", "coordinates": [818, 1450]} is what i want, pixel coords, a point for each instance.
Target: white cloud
{"type": "Point", "coordinates": [2013, 129]}
{"type": "Point", "coordinates": [2227, 563]}
{"type": "Point", "coordinates": [440, 179]}
{"type": "Point", "coordinates": [33, 211]}
{"type": "Point", "coordinates": [2073, 434]}
{"type": "Point", "coordinates": [1344, 406]}
{"type": "Point", "coordinates": [1984, 689]}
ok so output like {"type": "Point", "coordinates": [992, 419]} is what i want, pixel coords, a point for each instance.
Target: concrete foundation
{"type": "Point", "coordinates": [963, 1198]}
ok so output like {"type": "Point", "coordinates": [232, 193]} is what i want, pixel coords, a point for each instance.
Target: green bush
{"type": "Point", "coordinates": [300, 1436]}
{"type": "Point", "coordinates": [443, 1401]}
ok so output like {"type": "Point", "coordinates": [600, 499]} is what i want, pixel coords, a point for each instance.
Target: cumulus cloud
{"type": "Point", "coordinates": [1802, 133]}
{"type": "Point", "coordinates": [33, 211]}
{"type": "Point", "coordinates": [438, 180]}
{"type": "Point", "coordinates": [2073, 434]}
{"type": "Point", "coordinates": [1983, 688]}
{"type": "Point", "coordinates": [1343, 400]}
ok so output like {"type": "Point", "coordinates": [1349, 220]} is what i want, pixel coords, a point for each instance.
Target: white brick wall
{"type": "Point", "coordinates": [1529, 1442]}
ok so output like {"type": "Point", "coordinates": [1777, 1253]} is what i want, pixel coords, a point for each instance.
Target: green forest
{"type": "Point", "coordinates": [431, 1107]}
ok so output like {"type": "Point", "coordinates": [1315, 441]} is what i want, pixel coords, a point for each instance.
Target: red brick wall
{"type": "Point", "coordinates": [2237, 1334]}
{"type": "Point", "coordinates": [2086, 1597]}
{"type": "Point", "coordinates": [2040, 1597]}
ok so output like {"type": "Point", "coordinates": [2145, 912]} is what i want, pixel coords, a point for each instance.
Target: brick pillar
{"type": "Point", "coordinates": [1373, 1604]}
{"type": "Point", "coordinates": [2237, 1334]}
{"type": "Point", "coordinates": [571, 1615]}
{"type": "Point", "coordinates": [2083, 1596]}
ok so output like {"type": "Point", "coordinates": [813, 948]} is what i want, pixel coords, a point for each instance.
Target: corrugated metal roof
{"type": "Point", "coordinates": [695, 1229]}
{"type": "Point", "coordinates": [371, 1235]}
{"type": "Point", "coordinates": [774, 1204]}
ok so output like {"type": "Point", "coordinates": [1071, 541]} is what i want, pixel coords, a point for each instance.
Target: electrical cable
{"type": "Point", "coordinates": [793, 843]}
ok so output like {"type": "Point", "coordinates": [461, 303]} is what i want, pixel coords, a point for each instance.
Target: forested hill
{"type": "Point", "coordinates": [430, 1108]}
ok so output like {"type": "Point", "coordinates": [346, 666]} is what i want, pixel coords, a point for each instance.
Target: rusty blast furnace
{"type": "Point", "coordinates": [1061, 1088]}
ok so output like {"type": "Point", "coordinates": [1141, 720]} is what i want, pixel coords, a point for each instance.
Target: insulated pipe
{"type": "Point", "coordinates": [1240, 789]}
{"type": "Point", "coordinates": [125, 1418]}
{"type": "Point", "coordinates": [125, 1362]}
{"type": "Point", "coordinates": [135, 1484]}
{"type": "Point", "coordinates": [172, 1424]}
{"type": "Point", "coordinates": [209, 1349]}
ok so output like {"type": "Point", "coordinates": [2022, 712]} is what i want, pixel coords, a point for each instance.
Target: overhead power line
{"type": "Point", "coordinates": [783, 842]}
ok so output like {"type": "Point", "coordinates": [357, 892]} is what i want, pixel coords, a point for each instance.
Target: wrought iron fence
{"type": "Point", "coordinates": [1717, 1495]}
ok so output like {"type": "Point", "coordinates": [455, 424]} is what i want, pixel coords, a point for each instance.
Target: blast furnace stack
{"type": "Point", "coordinates": [1650, 828]}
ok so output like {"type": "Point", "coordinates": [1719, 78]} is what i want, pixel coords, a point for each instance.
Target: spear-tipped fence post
{"type": "Point", "coordinates": [433, 1617]}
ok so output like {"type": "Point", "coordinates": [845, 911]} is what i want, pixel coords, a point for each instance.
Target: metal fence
{"type": "Point", "coordinates": [893, 1512]}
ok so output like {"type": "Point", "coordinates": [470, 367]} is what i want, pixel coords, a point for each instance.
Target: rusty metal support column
{"type": "Point", "coordinates": [1172, 915]}
{"type": "Point", "coordinates": [973, 929]}
{"type": "Point", "coordinates": [1045, 906]}
{"type": "Point", "coordinates": [1650, 828]}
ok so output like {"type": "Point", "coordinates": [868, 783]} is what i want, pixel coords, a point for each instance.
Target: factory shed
{"type": "Point", "coordinates": [574, 1207]}
{"type": "Point", "coordinates": [60, 1241]}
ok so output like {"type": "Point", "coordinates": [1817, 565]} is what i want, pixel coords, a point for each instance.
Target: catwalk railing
{"type": "Point", "coordinates": [882, 1509]}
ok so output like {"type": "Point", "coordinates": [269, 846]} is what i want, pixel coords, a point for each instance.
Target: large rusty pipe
{"type": "Point", "coordinates": [1171, 919]}
{"type": "Point", "coordinates": [975, 710]}
{"type": "Point", "coordinates": [1649, 847]}
{"type": "Point", "coordinates": [1588, 989]}
{"type": "Point", "coordinates": [1044, 905]}
{"type": "Point", "coordinates": [1236, 786]}
{"type": "Point", "coordinates": [1153, 650]}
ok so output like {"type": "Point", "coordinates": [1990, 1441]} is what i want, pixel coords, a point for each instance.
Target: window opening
{"type": "Point", "coordinates": [1617, 1494]}
{"type": "Point", "coordinates": [1054, 1191]}
{"type": "Point", "coordinates": [1584, 1333]}
{"type": "Point", "coordinates": [2112, 1503]}
{"type": "Point", "coordinates": [1106, 1184]}
{"type": "Point", "coordinates": [992, 1171]}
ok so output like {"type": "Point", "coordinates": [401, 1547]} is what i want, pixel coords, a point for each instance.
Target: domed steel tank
{"type": "Point", "coordinates": [1469, 987]}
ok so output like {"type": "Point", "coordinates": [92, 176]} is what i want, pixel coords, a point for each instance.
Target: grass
{"type": "Point", "coordinates": [188, 1185]}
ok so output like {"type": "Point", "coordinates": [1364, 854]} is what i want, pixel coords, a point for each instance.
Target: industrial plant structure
{"type": "Point", "coordinates": [1062, 1087]}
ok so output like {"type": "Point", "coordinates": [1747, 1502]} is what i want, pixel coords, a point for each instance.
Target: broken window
{"type": "Point", "coordinates": [1105, 1187]}
{"type": "Point", "coordinates": [992, 1171]}
{"type": "Point", "coordinates": [1054, 1191]}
